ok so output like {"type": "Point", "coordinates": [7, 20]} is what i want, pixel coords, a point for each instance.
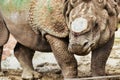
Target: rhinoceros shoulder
{"type": "Point", "coordinates": [47, 15]}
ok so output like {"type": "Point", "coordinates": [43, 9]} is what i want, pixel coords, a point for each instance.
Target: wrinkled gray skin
{"type": "Point", "coordinates": [98, 37]}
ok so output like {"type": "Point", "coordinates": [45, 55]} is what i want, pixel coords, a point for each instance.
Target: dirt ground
{"type": "Point", "coordinates": [12, 74]}
{"type": "Point", "coordinates": [46, 64]}
{"type": "Point", "coordinates": [51, 71]}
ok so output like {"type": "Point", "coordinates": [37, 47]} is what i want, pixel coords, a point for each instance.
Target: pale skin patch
{"type": "Point", "coordinates": [79, 24]}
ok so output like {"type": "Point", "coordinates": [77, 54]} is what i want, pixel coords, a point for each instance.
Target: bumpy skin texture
{"type": "Point", "coordinates": [29, 41]}
{"type": "Point", "coordinates": [52, 20]}
{"type": "Point", "coordinates": [99, 58]}
{"type": "Point", "coordinates": [65, 59]}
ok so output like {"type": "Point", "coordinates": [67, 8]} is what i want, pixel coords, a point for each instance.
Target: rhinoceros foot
{"type": "Point", "coordinates": [30, 75]}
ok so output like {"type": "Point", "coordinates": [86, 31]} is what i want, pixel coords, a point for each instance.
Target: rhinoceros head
{"type": "Point", "coordinates": [91, 23]}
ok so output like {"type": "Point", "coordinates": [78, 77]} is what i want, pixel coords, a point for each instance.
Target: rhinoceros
{"type": "Point", "coordinates": [85, 25]}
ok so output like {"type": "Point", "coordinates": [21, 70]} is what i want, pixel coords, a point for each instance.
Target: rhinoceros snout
{"type": "Point", "coordinates": [79, 48]}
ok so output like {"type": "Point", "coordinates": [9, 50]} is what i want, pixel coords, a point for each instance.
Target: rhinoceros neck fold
{"type": "Point", "coordinates": [47, 15]}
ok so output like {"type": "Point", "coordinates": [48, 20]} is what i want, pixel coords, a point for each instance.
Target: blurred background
{"type": "Point", "coordinates": [8, 6]}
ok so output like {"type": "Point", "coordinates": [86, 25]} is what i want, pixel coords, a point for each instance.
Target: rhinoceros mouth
{"type": "Point", "coordinates": [47, 15]}
{"type": "Point", "coordinates": [80, 50]}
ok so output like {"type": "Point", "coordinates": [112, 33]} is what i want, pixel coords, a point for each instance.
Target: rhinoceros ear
{"type": "Point", "coordinates": [111, 7]}
{"type": "Point", "coordinates": [68, 6]}
{"type": "Point", "coordinates": [66, 10]}
{"type": "Point", "coordinates": [113, 11]}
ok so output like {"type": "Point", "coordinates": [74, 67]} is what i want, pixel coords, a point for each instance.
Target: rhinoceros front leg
{"type": "Point", "coordinates": [24, 56]}
{"type": "Point", "coordinates": [99, 58]}
{"type": "Point", "coordinates": [66, 61]}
